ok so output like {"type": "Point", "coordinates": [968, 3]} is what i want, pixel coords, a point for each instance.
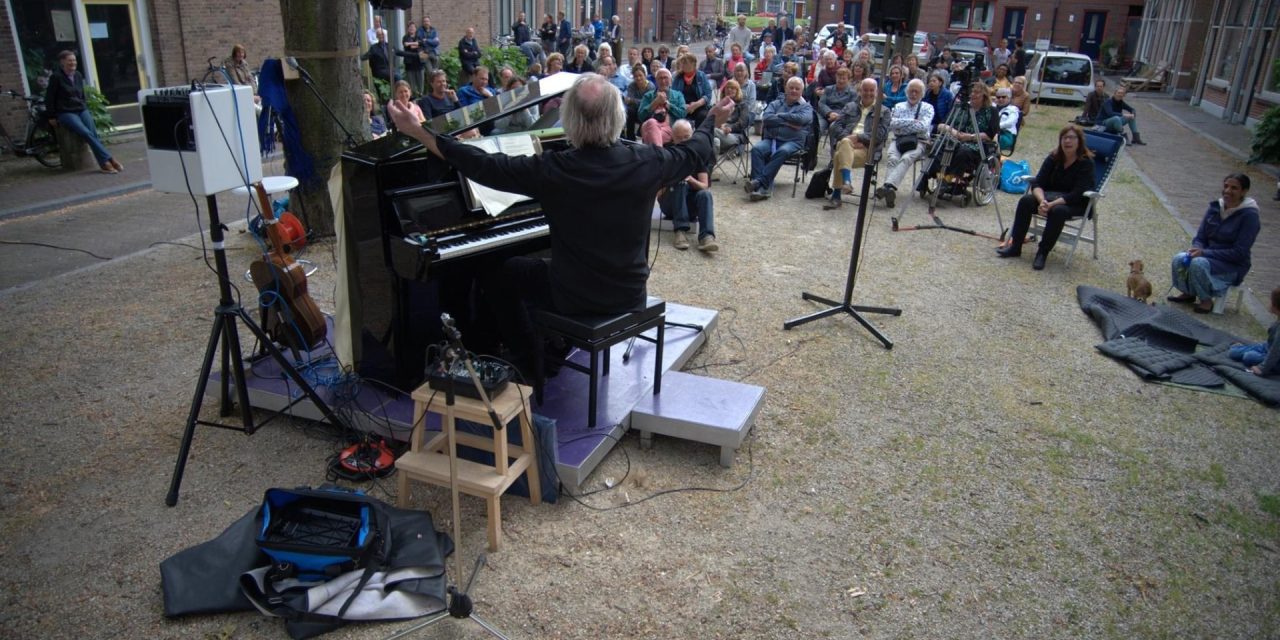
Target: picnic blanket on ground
{"type": "Point", "coordinates": [1163, 344]}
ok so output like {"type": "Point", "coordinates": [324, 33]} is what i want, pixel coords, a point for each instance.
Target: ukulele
{"type": "Point", "coordinates": [300, 324]}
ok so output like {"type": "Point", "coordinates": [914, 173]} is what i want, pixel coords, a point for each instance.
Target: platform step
{"type": "Point", "coordinates": [700, 409]}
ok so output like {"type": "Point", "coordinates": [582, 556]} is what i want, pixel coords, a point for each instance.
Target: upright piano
{"type": "Point", "coordinates": [414, 244]}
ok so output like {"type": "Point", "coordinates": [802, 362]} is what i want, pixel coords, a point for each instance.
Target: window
{"type": "Point", "coordinates": [1228, 54]}
{"type": "Point", "coordinates": [972, 15]}
{"type": "Point", "coordinates": [743, 8]}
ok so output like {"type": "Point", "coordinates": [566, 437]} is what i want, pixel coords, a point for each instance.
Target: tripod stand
{"type": "Point", "coordinates": [847, 305]}
{"type": "Point", "coordinates": [226, 314]}
{"type": "Point", "coordinates": [961, 121]}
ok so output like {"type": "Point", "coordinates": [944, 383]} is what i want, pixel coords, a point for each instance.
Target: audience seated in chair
{"type": "Point", "coordinates": [1009, 117]}
{"type": "Point", "coordinates": [786, 129]}
{"type": "Point", "coordinates": [659, 108]}
{"type": "Point", "coordinates": [1116, 114]}
{"type": "Point", "coordinates": [694, 86]}
{"type": "Point", "coordinates": [1221, 252]}
{"type": "Point", "coordinates": [833, 100]}
{"type": "Point", "coordinates": [1057, 192]}
{"type": "Point", "coordinates": [690, 200]}
{"type": "Point", "coordinates": [857, 118]}
{"type": "Point", "coordinates": [734, 132]}
{"type": "Point", "coordinates": [910, 122]}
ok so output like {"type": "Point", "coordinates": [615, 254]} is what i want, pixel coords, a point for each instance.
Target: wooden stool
{"type": "Point", "coordinates": [430, 462]}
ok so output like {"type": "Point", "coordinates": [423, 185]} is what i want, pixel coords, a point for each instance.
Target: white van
{"type": "Point", "coordinates": [1060, 75]}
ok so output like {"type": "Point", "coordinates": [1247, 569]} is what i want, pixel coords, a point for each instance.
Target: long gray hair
{"type": "Point", "coordinates": [592, 113]}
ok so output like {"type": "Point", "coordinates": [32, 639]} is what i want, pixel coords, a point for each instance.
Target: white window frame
{"type": "Point", "coordinates": [990, 16]}
{"type": "Point", "coordinates": [1270, 74]}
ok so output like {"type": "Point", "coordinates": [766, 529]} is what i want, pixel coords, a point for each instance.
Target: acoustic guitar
{"type": "Point", "coordinates": [296, 321]}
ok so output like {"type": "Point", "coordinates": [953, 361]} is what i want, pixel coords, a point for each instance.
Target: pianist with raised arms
{"type": "Point", "coordinates": [597, 197]}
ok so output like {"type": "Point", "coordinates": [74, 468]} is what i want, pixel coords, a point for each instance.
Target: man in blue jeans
{"type": "Point", "coordinates": [690, 195]}
{"type": "Point", "coordinates": [66, 106]}
{"type": "Point", "coordinates": [1116, 114]}
{"type": "Point", "coordinates": [786, 129]}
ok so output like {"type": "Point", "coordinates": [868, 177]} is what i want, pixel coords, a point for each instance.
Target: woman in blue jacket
{"type": "Point", "coordinates": [1219, 256]}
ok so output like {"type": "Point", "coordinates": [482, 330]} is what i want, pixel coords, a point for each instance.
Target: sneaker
{"type": "Point", "coordinates": [708, 244]}
{"type": "Point", "coordinates": [890, 194]}
{"type": "Point", "coordinates": [751, 187]}
{"type": "Point", "coordinates": [681, 240]}
{"type": "Point", "coordinates": [759, 195]}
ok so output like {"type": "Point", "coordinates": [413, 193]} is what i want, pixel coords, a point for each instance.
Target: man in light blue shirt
{"type": "Point", "coordinates": [786, 130]}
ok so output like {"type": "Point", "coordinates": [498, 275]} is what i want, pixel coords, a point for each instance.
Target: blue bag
{"type": "Point", "coordinates": [1014, 176]}
{"type": "Point", "coordinates": [316, 534]}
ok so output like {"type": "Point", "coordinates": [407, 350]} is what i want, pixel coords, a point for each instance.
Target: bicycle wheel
{"type": "Point", "coordinates": [43, 146]}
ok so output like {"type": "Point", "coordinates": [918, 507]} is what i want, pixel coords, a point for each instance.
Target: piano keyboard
{"type": "Point", "coordinates": [460, 245]}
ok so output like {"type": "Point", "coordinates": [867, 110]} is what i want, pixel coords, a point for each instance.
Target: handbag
{"type": "Point", "coordinates": [818, 184]}
{"type": "Point", "coordinates": [1014, 176]}
{"type": "Point", "coordinates": [907, 143]}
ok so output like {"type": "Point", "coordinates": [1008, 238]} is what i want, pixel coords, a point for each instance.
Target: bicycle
{"type": "Point", "coordinates": [39, 141]}
{"type": "Point", "coordinates": [504, 41]}
{"type": "Point", "coordinates": [682, 34]}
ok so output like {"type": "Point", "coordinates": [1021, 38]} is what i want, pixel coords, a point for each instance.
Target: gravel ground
{"type": "Point", "coordinates": [990, 476]}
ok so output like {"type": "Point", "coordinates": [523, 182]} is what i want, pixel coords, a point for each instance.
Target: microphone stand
{"type": "Point", "coordinates": [847, 305]}
{"type": "Point", "coordinates": [460, 604]}
{"type": "Point", "coordinates": [306, 79]}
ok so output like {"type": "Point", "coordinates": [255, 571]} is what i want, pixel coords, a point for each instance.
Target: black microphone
{"type": "Point", "coordinates": [293, 64]}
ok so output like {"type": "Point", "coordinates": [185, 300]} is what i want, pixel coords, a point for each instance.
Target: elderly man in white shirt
{"type": "Point", "coordinates": [909, 122]}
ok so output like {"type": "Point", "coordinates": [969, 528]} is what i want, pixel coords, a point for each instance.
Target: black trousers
{"type": "Point", "coordinates": [520, 286]}
{"type": "Point", "coordinates": [1058, 216]}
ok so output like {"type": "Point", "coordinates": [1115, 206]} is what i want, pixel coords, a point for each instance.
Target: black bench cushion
{"type": "Point", "coordinates": [594, 328]}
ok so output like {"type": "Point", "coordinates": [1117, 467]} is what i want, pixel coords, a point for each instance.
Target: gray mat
{"type": "Point", "coordinates": [1163, 344]}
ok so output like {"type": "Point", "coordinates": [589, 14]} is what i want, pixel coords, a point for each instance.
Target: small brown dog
{"type": "Point", "coordinates": [1138, 285]}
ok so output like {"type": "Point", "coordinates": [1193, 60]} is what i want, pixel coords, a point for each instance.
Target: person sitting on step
{"type": "Point", "coordinates": [1221, 253]}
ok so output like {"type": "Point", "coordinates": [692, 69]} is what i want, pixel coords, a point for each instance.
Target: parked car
{"type": "Point", "coordinates": [921, 42]}
{"type": "Point", "coordinates": [967, 46]}
{"type": "Point", "coordinates": [825, 33]}
{"type": "Point", "coordinates": [1060, 75]}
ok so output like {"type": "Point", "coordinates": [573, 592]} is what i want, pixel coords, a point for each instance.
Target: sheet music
{"type": "Point", "coordinates": [492, 200]}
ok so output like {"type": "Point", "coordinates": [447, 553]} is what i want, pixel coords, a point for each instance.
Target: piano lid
{"type": "Point", "coordinates": [393, 146]}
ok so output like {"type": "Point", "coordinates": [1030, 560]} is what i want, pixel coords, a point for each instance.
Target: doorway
{"type": "Point", "coordinates": [1091, 30]}
{"type": "Point", "coordinates": [1014, 21]}
{"type": "Point", "coordinates": [114, 40]}
{"type": "Point", "coordinates": [853, 15]}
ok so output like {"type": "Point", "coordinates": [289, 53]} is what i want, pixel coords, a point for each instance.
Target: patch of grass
{"type": "Point", "coordinates": [1269, 504]}
{"type": "Point", "coordinates": [1247, 526]}
{"type": "Point", "coordinates": [1215, 475]}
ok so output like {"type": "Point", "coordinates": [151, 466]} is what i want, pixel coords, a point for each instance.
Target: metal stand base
{"type": "Point", "coordinates": [853, 310]}
{"type": "Point", "coordinates": [460, 607]}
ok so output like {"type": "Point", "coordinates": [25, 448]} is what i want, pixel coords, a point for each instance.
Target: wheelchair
{"type": "Point", "coordinates": [958, 172]}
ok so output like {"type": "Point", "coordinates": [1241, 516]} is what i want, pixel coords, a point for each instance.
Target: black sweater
{"type": "Point", "coordinates": [1071, 182]}
{"type": "Point", "coordinates": [65, 95]}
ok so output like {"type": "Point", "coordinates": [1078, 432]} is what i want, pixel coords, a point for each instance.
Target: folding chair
{"type": "Point", "coordinates": [1106, 151]}
{"type": "Point", "coordinates": [806, 159]}
{"type": "Point", "coordinates": [737, 160]}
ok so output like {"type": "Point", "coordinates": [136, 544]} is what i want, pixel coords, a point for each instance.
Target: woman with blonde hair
{"type": "Point", "coordinates": [733, 132]}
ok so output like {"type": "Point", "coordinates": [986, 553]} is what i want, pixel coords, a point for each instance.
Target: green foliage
{"type": "Point", "coordinates": [33, 68]}
{"type": "Point", "coordinates": [97, 104]}
{"type": "Point", "coordinates": [382, 90]}
{"type": "Point", "coordinates": [451, 64]}
{"type": "Point", "coordinates": [494, 58]}
{"type": "Point", "coordinates": [1266, 138]}
{"type": "Point", "coordinates": [1269, 503]}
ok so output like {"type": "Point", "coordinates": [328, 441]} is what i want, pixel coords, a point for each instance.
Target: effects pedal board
{"type": "Point", "coordinates": [493, 376]}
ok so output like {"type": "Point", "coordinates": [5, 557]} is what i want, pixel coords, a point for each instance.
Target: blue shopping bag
{"type": "Point", "coordinates": [1014, 176]}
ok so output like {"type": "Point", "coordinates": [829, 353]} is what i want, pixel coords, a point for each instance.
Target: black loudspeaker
{"type": "Point", "coordinates": [903, 15]}
{"type": "Point", "coordinates": [392, 4]}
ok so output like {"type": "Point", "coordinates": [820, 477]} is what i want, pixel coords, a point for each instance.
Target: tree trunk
{"type": "Point", "coordinates": [325, 38]}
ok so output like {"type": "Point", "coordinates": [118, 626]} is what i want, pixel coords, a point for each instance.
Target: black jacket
{"type": "Point", "coordinates": [65, 95]}
{"type": "Point", "coordinates": [379, 57]}
{"type": "Point", "coordinates": [469, 54]}
{"type": "Point", "coordinates": [412, 61]}
{"type": "Point", "coordinates": [520, 32]}
{"type": "Point", "coordinates": [598, 204]}
{"type": "Point", "coordinates": [1071, 182]}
